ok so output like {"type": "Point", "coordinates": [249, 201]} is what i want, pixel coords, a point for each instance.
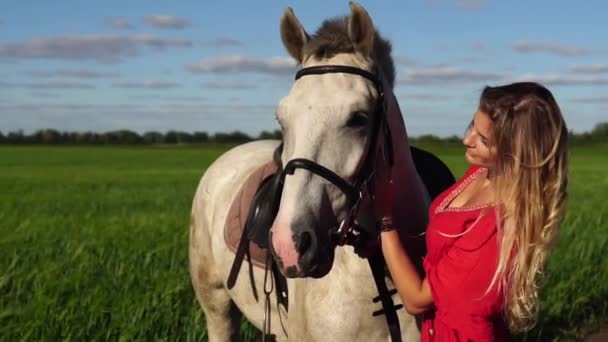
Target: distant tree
{"type": "Point", "coordinates": [183, 137]}
{"type": "Point", "coordinates": [111, 137]}
{"type": "Point", "coordinates": [171, 137]}
{"type": "Point", "coordinates": [128, 137]}
{"type": "Point", "coordinates": [276, 135]}
{"type": "Point", "coordinates": [15, 137]}
{"type": "Point", "coordinates": [238, 137]}
{"type": "Point", "coordinates": [64, 138]}
{"type": "Point", "coordinates": [454, 139]}
{"type": "Point", "coordinates": [153, 138]}
{"type": "Point", "coordinates": [84, 138]}
{"type": "Point", "coordinates": [88, 138]}
{"type": "Point", "coordinates": [200, 137]}
{"type": "Point", "coordinates": [600, 132]}
{"type": "Point", "coordinates": [427, 139]}
{"type": "Point", "coordinates": [95, 138]}
{"type": "Point", "coordinates": [580, 138]}
{"type": "Point", "coordinates": [220, 137]}
{"type": "Point", "coordinates": [48, 136]}
{"type": "Point", "coordinates": [73, 137]}
{"type": "Point", "coordinates": [233, 137]}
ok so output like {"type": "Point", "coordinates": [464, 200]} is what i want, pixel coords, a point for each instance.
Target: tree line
{"type": "Point", "coordinates": [127, 137]}
{"type": "Point", "coordinates": [599, 134]}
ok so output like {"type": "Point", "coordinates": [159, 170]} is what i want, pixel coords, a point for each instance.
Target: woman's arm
{"type": "Point", "coordinates": [415, 292]}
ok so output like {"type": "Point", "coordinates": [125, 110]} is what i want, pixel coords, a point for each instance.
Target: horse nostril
{"type": "Point", "coordinates": [304, 242]}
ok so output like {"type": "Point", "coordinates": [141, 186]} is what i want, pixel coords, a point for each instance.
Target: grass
{"type": "Point", "coordinates": [93, 244]}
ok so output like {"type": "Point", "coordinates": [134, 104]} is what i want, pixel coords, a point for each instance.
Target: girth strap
{"type": "Point", "coordinates": [241, 252]}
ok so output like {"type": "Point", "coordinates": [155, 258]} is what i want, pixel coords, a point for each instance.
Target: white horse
{"type": "Point", "coordinates": [326, 119]}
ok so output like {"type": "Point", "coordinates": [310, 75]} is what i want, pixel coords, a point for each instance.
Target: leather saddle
{"type": "Point", "coordinates": [253, 211]}
{"type": "Point", "coordinates": [248, 224]}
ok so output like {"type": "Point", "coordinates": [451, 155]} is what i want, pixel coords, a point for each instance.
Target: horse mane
{"type": "Point", "coordinates": [332, 38]}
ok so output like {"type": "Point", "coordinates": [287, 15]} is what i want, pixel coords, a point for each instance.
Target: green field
{"type": "Point", "coordinates": [93, 244]}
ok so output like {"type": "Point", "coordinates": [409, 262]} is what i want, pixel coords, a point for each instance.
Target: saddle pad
{"type": "Point", "coordinates": [239, 209]}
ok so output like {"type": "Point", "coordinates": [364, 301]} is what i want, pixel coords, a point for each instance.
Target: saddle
{"type": "Point", "coordinates": [252, 200]}
{"type": "Point", "coordinates": [248, 225]}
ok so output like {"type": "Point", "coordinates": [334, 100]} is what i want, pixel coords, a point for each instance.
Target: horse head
{"type": "Point", "coordinates": [332, 122]}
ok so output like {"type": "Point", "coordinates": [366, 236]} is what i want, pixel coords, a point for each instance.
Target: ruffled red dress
{"type": "Point", "coordinates": [462, 257]}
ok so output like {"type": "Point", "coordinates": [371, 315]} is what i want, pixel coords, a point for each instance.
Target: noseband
{"type": "Point", "coordinates": [346, 231]}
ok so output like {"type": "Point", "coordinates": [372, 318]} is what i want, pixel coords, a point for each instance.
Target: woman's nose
{"type": "Point", "coordinates": [468, 140]}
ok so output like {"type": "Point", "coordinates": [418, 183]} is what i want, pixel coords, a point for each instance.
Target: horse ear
{"type": "Point", "coordinates": [293, 35]}
{"type": "Point", "coordinates": [361, 29]}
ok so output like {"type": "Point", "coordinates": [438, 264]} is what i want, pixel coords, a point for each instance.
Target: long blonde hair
{"type": "Point", "coordinates": [529, 180]}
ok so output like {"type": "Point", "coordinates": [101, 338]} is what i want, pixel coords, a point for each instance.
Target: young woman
{"type": "Point", "coordinates": [489, 234]}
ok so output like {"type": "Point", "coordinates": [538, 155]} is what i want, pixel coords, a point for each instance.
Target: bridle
{"type": "Point", "coordinates": [347, 231]}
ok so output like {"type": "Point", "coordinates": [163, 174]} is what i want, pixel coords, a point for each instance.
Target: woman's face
{"type": "Point", "coordinates": [478, 141]}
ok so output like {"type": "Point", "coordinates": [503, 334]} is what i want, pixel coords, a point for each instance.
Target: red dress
{"type": "Point", "coordinates": [460, 268]}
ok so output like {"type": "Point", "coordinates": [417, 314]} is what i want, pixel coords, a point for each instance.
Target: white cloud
{"type": "Point", "coordinates": [571, 80]}
{"type": "Point", "coordinates": [423, 96]}
{"type": "Point", "coordinates": [72, 73]}
{"type": "Point", "coordinates": [235, 64]}
{"type": "Point", "coordinates": [404, 60]}
{"type": "Point", "coordinates": [592, 100]}
{"type": "Point", "coordinates": [223, 42]}
{"type": "Point", "coordinates": [160, 42]}
{"type": "Point", "coordinates": [187, 98]}
{"type": "Point", "coordinates": [99, 47]}
{"type": "Point", "coordinates": [448, 74]}
{"type": "Point", "coordinates": [119, 23]}
{"type": "Point", "coordinates": [57, 85]}
{"type": "Point", "coordinates": [441, 74]}
{"type": "Point", "coordinates": [589, 68]}
{"type": "Point", "coordinates": [152, 84]}
{"type": "Point", "coordinates": [471, 59]}
{"type": "Point", "coordinates": [470, 5]}
{"type": "Point", "coordinates": [166, 21]}
{"type": "Point", "coordinates": [44, 94]}
{"type": "Point", "coordinates": [478, 46]}
{"type": "Point", "coordinates": [553, 48]}
{"type": "Point", "coordinates": [229, 85]}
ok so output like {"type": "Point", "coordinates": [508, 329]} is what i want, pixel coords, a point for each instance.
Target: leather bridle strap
{"type": "Point", "coordinates": [332, 69]}
{"type": "Point", "coordinates": [350, 191]}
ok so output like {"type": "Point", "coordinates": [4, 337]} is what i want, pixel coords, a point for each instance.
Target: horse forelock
{"type": "Point", "coordinates": [332, 39]}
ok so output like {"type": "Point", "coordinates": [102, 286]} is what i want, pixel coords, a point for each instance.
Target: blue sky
{"type": "Point", "coordinates": [219, 66]}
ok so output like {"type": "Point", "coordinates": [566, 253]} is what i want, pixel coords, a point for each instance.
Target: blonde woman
{"type": "Point", "coordinates": [489, 234]}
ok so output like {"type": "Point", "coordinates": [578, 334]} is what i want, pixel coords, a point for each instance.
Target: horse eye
{"type": "Point", "coordinates": [358, 119]}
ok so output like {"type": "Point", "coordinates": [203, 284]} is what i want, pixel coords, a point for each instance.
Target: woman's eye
{"type": "Point", "coordinates": [357, 119]}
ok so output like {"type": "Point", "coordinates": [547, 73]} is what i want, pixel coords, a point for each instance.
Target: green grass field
{"type": "Point", "coordinates": [93, 244]}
